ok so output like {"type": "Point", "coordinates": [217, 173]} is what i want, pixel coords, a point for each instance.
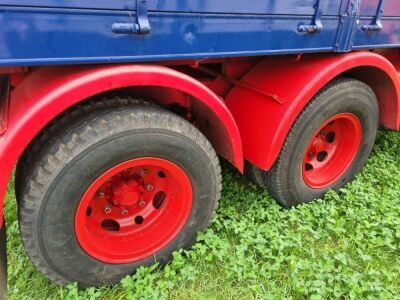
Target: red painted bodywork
{"type": "Point", "coordinates": [264, 123]}
{"type": "Point", "coordinates": [261, 123]}
{"type": "Point", "coordinates": [48, 91]}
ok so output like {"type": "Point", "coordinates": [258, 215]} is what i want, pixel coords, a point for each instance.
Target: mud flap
{"type": "Point", "coordinates": [3, 263]}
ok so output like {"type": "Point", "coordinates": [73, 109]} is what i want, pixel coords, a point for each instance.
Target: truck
{"type": "Point", "coordinates": [115, 116]}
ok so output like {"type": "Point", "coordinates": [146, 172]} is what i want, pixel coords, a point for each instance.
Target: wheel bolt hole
{"type": "Point", "coordinates": [88, 211]}
{"type": "Point", "coordinates": [161, 174]}
{"type": "Point", "coordinates": [308, 167]}
{"type": "Point", "coordinates": [330, 137]}
{"type": "Point", "coordinates": [139, 220]}
{"type": "Point", "coordinates": [110, 225]}
{"type": "Point", "coordinates": [158, 199]}
{"type": "Point", "coordinates": [321, 156]}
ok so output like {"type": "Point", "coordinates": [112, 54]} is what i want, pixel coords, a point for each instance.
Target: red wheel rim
{"type": "Point", "coordinates": [331, 150]}
{"type": "Point", "coordinates": [133, 210]}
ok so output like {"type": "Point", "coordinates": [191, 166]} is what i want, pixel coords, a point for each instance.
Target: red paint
{"type": "Point", "coordinates": [50, 90]}
{"type": "Point", "coordinates": [12, 70]}
{"type": "Point", "coordinates": [221, 82]}
{"type": "Point", "coordinates": [133, 210]}
{"type": "Point", "coordinates": [332, 150]}
{"type": "Point", "coordinates": [264, 124]}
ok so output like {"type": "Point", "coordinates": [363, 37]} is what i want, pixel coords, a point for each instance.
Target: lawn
{"type": "Point", "coordinates": [344, 246]}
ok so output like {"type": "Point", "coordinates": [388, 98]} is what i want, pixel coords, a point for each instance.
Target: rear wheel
{"type": "Point", "coordinates": [119, 188]}
{"type": "Point", "coordinates": [328, 144]}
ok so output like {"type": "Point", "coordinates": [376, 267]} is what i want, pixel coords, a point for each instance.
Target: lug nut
{"type": "Point", "coordinates": [141, 203]}
{"type": "Point", "coordinates": [107, 209]}
{"type": "Point", "coordinates": [124, 212]}
{"type": "Point", "coordinates": [100, 194]}
{"type": "Point", "coordinates": [149, 187]}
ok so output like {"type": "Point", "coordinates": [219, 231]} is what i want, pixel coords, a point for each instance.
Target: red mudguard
{"type": "Point", "coordinates": [264, 122]}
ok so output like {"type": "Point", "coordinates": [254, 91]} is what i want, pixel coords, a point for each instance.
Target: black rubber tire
{"type": "Point", "coordinates": [105, 134]}
{"type": "Point", "coordinates": [284, 180]}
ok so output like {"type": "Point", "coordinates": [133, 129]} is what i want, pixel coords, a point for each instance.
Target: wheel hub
{"type": "Point", "coordinates": [124, 192]}
{"type": "Point", "coordinates": [133, 210]}
{"type": "Point", "coordinates": [331, 150]}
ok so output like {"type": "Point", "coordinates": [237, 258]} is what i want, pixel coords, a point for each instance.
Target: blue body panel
{"type": "Point", "coordinates": [303, 7]}
{"type": "Point", "coordinates": [38, 32]}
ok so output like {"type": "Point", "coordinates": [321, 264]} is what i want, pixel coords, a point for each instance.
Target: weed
{"type": "Point", "coordinates": [344, 246]}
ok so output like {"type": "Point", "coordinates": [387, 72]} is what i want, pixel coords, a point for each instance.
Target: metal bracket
{"type": "Point", "coordinates": [4, 101]}
{"type": "Point", "coordinates": [239, 83]}
{"type": "Point", "coordinates": [142, 26]}
{"type": "Point", "coordinates": [377, 24]}
{"type": "Point", "coordinates": [347, 27]}
{"type": "Point", "coordinates": [316, 25]}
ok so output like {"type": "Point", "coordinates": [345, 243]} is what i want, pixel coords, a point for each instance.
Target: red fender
{"type": "Point", "coordinates": [50, 90]}
{"type": "Point", "coordinates": [264, 123]}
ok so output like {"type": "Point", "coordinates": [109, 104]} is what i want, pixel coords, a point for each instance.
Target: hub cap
{"type": "Point", "coordinates": [331, 150]}
{"type": "Point", "coordinates": [133, 210]}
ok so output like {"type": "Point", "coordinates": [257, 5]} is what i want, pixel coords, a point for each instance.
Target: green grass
{"type": "Point", "coordinates": [344, 246]}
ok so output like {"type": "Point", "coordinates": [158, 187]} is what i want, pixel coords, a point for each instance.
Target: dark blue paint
{"type": "Point", "coordinates": [280, 7]}
{"type": "Point", "coordinates": [376, 25]}
{"type": "Point", "coordinates": [388, 37]}
{"type": "Point", "coordinates": [391, 8]}
{"type": "Point", "coordinates": [34, 32]}
{"type": "Point", "coordinates": [316, 25]}
{"type": "Point", "coordinates": [387, 34]}
{"type": "Point", "coordinates": [347, 26]}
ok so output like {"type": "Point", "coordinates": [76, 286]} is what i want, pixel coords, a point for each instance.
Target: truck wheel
{"type": "Point", "coordinates": [327, 146]}
{"type": "Point", "coordinates": [119, 188]}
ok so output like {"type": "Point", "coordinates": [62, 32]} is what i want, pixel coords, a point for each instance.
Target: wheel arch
{"type": "Point", "coordinates": [386, 89]}
{"type": "Point", "coordinates": [49, 91]}
{"type": "Point", "coordinates": [265, 123]}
